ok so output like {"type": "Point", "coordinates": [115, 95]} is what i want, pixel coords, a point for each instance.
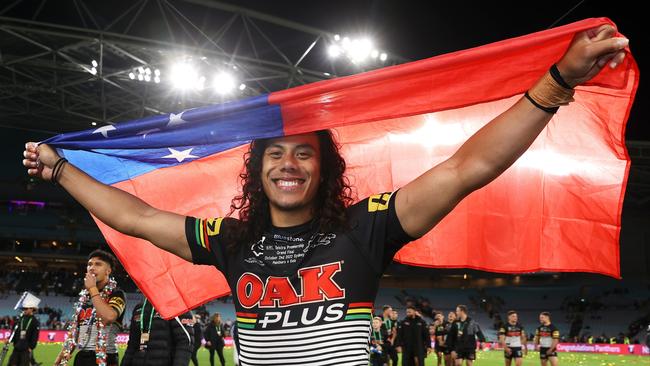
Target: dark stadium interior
{"type": "Point", "coordinates": [45, 236]}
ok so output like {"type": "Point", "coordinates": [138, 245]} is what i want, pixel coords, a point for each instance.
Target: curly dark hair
{"type": "Point", "coordinates": [333, 197]}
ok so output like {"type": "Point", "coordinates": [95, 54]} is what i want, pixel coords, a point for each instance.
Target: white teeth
{"type": "Point", "coordinates": [288, 183]}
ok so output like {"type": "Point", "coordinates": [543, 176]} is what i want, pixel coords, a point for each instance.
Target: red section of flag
{"type": "Point", "coordinates": [202, 188]}
{"type": "Point", "coordinates": [557, 209]}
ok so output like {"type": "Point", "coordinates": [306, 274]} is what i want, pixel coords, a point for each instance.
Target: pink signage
{"type": "Point", "coordinates": [617, 349]}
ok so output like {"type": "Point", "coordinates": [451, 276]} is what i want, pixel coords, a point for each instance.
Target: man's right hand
{"type": "Point", "coordinates": [508, 350]}
{"type": "Point", "coordinates": [39, 160]}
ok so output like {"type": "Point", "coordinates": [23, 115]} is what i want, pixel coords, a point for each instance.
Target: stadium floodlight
{"type": "Point", "coordinates": [156, 79]}
{"type": "Point", "coordinates": [147, 71]}
{"type": "Point", "coordinates": [93, 123]}
{"type": "Point", "coordinates": [356, 50]}
{"type": "Point", "coordinates": [131, 76]}
{"type": "Point", "coordinates": [184, 76]}
{"type": "Point", "coordinates": [156, 72]}
{"type": "Point", "coordinates": [223, 83]}
{"type": "Point", "coordinates": [242, 86]}
{"type": "Point", "coordinates": [359, 50]}
{"type": "Point", "coordinates": [93, 71]}
{"type": "Point", "coordinates": [140, 77]}
{"type": "Point", "coordinates": [94, 63]}
{"type": "Point", "coordinates": [147, 77]}
{"type": "Point", "coordinates": [334, 51]}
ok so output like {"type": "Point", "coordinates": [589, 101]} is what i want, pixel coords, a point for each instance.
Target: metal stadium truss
{"type": "Point", "coordinates": [68, 63]}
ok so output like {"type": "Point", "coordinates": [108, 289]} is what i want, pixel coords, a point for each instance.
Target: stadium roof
{"type": "Point", "coordinates": [68, 63]}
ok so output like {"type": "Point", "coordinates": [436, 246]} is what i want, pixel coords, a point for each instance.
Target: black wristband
{"type": "Point", "coordinates": [555, 73]}
{"type": "Point", "coordinates": [551, 110]}
{"type": "Point", "coordinates": [54, 170]}
{"type": "Point", "coordinates": [57, 170]}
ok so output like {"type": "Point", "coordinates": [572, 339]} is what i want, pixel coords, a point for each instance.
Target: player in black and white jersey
{"type": "Point", "coordinates": [547, 337]}
{"type": "Point", "coordinates": [109, 309]}
{"type": "Point", "coordinates": [302, 261]}
{"type": "Point", "coordinates": [512, 338]}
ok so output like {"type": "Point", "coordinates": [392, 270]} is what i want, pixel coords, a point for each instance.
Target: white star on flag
{"type": "Point", "coordinates": [180, 155]}
{"type": "Point", "coordinates": [104, 130]}
{"type": "Point", "coordinates": [176, 119]}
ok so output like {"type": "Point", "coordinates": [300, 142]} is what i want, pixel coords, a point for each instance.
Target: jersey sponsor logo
{"type": "Point", "coordinates": [316, 284]}
{"type": "Point", "coordinates": [378, 202]}
{"type": "Point", "coordinates": [294, 318]}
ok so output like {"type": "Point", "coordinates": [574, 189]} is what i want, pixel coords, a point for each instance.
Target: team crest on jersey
{"type": "Point", "coordinates": [258, 247]}
{"type": "Point", "coordinates": [319, 239]}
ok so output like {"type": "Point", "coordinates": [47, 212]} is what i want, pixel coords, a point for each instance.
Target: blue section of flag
{"type": "Point", "coordinates": [123, 151]}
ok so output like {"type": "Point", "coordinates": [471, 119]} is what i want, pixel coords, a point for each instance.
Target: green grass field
{"type": "Point", "coordinates": [46, 353]}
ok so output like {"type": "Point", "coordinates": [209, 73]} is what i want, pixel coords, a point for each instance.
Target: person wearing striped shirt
{"type": "Point", "coordinates": [512, 338]}
{"type": "Point", "coordinates": [547, 337]}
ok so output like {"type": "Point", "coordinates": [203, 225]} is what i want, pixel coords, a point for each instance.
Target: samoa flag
{"type": "Point", "coordinates": [558, 208]}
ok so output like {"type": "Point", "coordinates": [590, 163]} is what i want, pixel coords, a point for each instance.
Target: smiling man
{"type": "Point", "coordinates": [302, 261]}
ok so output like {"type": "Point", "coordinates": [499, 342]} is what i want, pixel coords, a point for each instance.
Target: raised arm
{"type": "Point", "coordinates": [422, 203]}
{"type": "Point", "coordinates": [114, 207]}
